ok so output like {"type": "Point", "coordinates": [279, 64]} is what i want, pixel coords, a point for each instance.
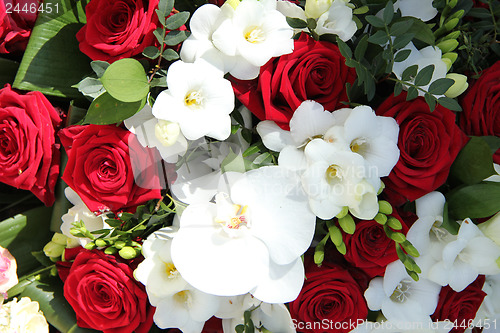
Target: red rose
{"type": "Point", "coordinates": [460, 308]}
{"type": "Point", "coordinates": [314, 71]}
{"type": "Point", "coordinates": [369, 248]}
{"type": "Point", "coordinates": [118, 29]}
{"type": "Point", "coordinates": [330, 295]}
{"type": "Point", "coordinates": [105, 295]}
{"type": "Point", "coordinates": [481, 105]}
{"type": "Point", "coordinates": [17, 18]}
{"type": "Point", "coordinates": [29, 155]}
{"type": "Point", "coordinates": [428, 142]}
{"type": "Point", "coordinates": [108, 168]}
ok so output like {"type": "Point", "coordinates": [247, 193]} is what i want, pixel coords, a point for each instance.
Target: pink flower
{"type": "Point", "coordinates": [8, 266]}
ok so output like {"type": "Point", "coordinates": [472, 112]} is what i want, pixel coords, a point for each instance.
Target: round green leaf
{"type": "Point", "coordinates": [126, 81]}
{"type": "Point", "coordinates": [106, 110]}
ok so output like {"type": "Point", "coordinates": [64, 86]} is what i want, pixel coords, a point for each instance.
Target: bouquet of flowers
{"type": "Point", "coordinates": [250, 166]}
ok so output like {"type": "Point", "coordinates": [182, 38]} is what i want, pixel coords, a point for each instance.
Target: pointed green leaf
{"type": "Point", "coordinates": [449, 103]}
{"type": "Point", "coordinates": [296, 23]}
{"type": "Point", "coordinates": [170, 55]}
{"type": "Point", "coordinates": [412, 93]}
{"type": "Point", "coordinates": [403, 40]}
{"type": "Point", "coordinates": [474, 162]}
{"type": "Point", "coordinates": [431, 101]}
{"type": "Point", "coordinates": [402, 55]}
{"type": "Point", "coordinates": [176, 37]}
{"type": "Point", "coordinates": [99, 67]}
{"type": "Point", "coordinates": [409, 73]}
{"type": "Point", "coordinates": [399, 28]}
{"type": "Point", "coordinates": [424, 76]}
{"type": "Point", "coordinates": [375, 21]}
{"type": "Point", "coordinates": [345, 50]}
{"type": "Point", "coordinates": [53, 63]}
{"type": "Point", "coordinates": [388, 12]}
{"type": "Point", "coordinates": [380, 37]}
{"type": "Point", "coordinates": [440, 86]}
{"type": "Point", "coordinates": [177, 20]}
{"type": "Point", "coordinates": [475, 201]}
{"type": "Point", "coordinates": [151, 52]}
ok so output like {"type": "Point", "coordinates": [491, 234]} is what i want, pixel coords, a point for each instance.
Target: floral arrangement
{"type": "Point", "coordinates": [250, 166]}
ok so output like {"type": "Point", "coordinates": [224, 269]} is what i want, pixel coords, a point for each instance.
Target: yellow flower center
{"type": "Point", "coordinates": [255, 35]}
{"type": "Point", "coordinates": [171, 270]}
{"type": "Point", "coordinates": [193, 99]}
{"type": "Point", "coordinates": [333, 173]}
{"type": "Point", "coordinates": [357, 145]}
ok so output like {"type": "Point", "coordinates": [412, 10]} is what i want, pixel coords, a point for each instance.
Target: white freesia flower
{"type": "Point", "coordinates": [315, 8]}
{"type": "Point", "coordinates": [463, 259]}
{"type": "Point", "coordinates": [421, 9]}
{"type": "Point", "coordinates": [491, 228]}
{"type": "Point", "coordinates": [156, 133]}
{"type": "Point", "coordinates": [262, 228]}
{"type": "Point", "coordinates": [400, 298]}
{"type": "Point", "coordinates": [427, 56]}
{"type": "Point", "coordinates": [256, 31]}
{"type": "Point", "coordinates": [198, 98]}
{"type": "Point", "coordinates": [22, 316]}
{"type": "Point", "coordinates": [178, 305]}
{"type": "Point", "coordinates": [290, 9]}
{"type": "Point", "coordinates": [80, 212]}
{"type": "Point", "coordinates": [338, 21]}
{"type": "Point", "coordinates": [336, 178]}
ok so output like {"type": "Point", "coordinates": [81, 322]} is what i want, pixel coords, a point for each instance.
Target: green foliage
{"type": "Point", "coordinates": [107, 110]}
{"type": "Point", "coordinates": [474, 162]}
{"type": "Point", "coordinates": [8, 72]}
{"type": "Point", "coordinates": [126, 81]}
{"type": "Point", "coordinates": [474, 201]}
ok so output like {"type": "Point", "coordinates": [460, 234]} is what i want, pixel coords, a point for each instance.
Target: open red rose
{"type": "Point", "coordinates": [17, 18]}
{"type": "Point", "coordinates": [460, 308]}
{"type": "Point", "coordinates": [118, 29]}
{"type": "Point", "coordinates": [29, 155]}
{"type": "Point", "coordinates": [481, 106]}
{"type": "Point", "coordinates": [315, 70]}
{"type": "Point", "coordinates": [428, 143]}
{"type": "Point", "coordinates": [369, 248]}
{"type": "Point", "coordinates": [331, 300]}
{"type": "Point", "coordinates": [108, 168]}
{"type": "Point", "coordinates": [105, 295]}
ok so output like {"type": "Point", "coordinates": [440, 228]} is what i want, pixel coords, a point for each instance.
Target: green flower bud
{"type": "Point", "coordinates": [451, 24]}
{"type": "Point", "coordinates": [452, 35]}
{"type": "Point", "coordinates": [447, 62]}
{"type": "Point", "coordinates": [59, 239]}
{"type": "Point", "coordinates": [394, 223]}
{"type": "Point", "coordinates": [343, 212]}
{"type": "Point", "coordinates": [319, 255]}
{"type": "Point", "coordinates": [342, 249]}
{"type": "Point", "coordinates": [347, 224]}
{"type": "Point", "coordinates": [452, 3]}
{"type": "Point", "coordinates": [458, 14]}
{"type": "Point", "coordinates": [398, 237]}
{"type": "Point", "coordinates": [90, 246]}
{"type": "Point", "coordinates": [110, 250]}
{"type": "Point", "coordinates": [458, 87]}
{"type": "Point", "coordinates": [335, 235]}
{"type": "Point", "coordinates": [100, 243]}
{"type": "Point", "coordinates": [53, 271]}
{"type": "Point", "coordinates": [384, 207]}
{"type": "Point", "coordinates": [120, 244]}
{"type": "Point", "coordinates": [76, 232]}
{"type": "Point", "coordinates": [410, 249]}
{"type": "Point", "coordinates": [382, 187]}
{"type": "Point", "coordinates": [53, 250]}
{"type": "Point", "coordinates": [450, 55]}
{"type": "Point", "coordinates": [380, 218]}
{"type": "Point", "coordinates": [127, 252]}
{"type": "Point", "coordinates": [448, 45]}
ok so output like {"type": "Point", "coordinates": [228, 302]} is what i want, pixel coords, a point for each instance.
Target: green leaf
{"type": "Point", "coordinates": [176, 37]}
{"type": "Point", "coordinates": [345, 50]}
{"type": "Point", "coordinates": [177, 20]}
{"type": "Point", "coordinates": [440, 86]}
{"type": "Point", "coordinates": [253, 149]}
{"type": "Point", "coordinates": [8, 72]}
{"type": "Point", "coordinates": [165, 7]}
{"type": "Point", "coordinates": [398, 88]}
{"type": "Point", "coordinates": [402, 41]}
{"type": "Point", "coordinates": [412, 93]}
{"type": "Point", "coordinates": [474, 162]}
{"type": "Point", "coordinates": [151, 52]}
{"type": "Point", "coordinates": [170, 55]}
{"type": "Point", "coordinates": [296, 23]}
{"type": "Point", "coordinates": [161, 16]}
{"type": "Point", "coordinates": [54, 306]}
{"type": "Point", "coordinates": [431, 101]}
{"type": "Point", "coordinates": [375, 21]}
{"type": "Point", "coordinates": [424, 76]}
{"type": "Point", "coordinates": [449, 103]}
{"type": "Point", "coordinates": [409, 73]}
{"type": "Point", "coordinates": [493, 142]}
{"type": "Point", "coordinates": [233, 162]}
{"type": "Point", "coordinates": [91, 87]}
{"type": "Point", "coordinates": [475, 201]}
{"type": "Point", "coordinates": [421, 30]}
{"type": "Point", "coordinates": [106, 110]}
{"type": "Point", "coordinates": [399, 28]}
{"type": "Point", "coordinates": [402, 55]}
{"type": "Point", "coordinates": [16, 234]}
{"type": "Point", "coordinates": [99, 67]}
{"type": "Point", "coordinates": [311, 23]}
{"type": "Point", "coordinates": [263, 159]}
{"type": "Point", "coordinates": [388, 12]}
{"type": "Point", "coordinates": [126, 80]}
{"type": "Point", "coordinates": [53, 63]}
{"type": "Point", "coordinates": [360, 50]}
{"type": "Point", "coordinates": [158, 33]}
{"type": "Point", "coordinates": [379, 37]}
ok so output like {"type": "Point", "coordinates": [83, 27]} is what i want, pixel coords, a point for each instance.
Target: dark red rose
{"type": "Point", "coordinates": [314, 71]}
{"type": "Point", "coordinates": [369, 248]}
{"type": "Point", "coordinates": [29, 155]}
{"type": "Point", "coordinates": [105, 295]}
{"type": "Point", "coordinates": [428, 142]}
{"type": "Point", "coordinates": [481, 106]}
{"type": "Point", "coordinates": [108, 168]}
{"type": "Point", "coordinates": [17, 18]}
{"type": "Point", "coordinates": [460, 308]}
{"type": "Point", "coordinates": [330, 301]}
{"type": "Point", "coordinates": [118, 29]}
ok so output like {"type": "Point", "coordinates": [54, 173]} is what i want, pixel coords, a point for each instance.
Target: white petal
{"type": "Point", "coordinates": [242, 69]}
{"type": "Point", "coordinates": [461, 275]}
{"type": "Point", "coordinates": [309, 120]}
{"type": "Point", "coordinates": [395, 272]}
{"type": "Point", "coordinates": [292, 158]}
{"type": "Point", "coordinates": [375, 295]}
{"type": "Point", "coordinates": [273, 136]}
{"type": "Point", "coordinates": [421, 9]}
{"type": "Point", "coordinates": [204, 21]}
{"type": "Point", "coordinates": [274, 317]}
{"type": "Point", "coordinates": [431, 204]}
{"type": "Point", "coordinates": [283, 283]}
{"type": "Point", "coordinates": [418, 234]}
